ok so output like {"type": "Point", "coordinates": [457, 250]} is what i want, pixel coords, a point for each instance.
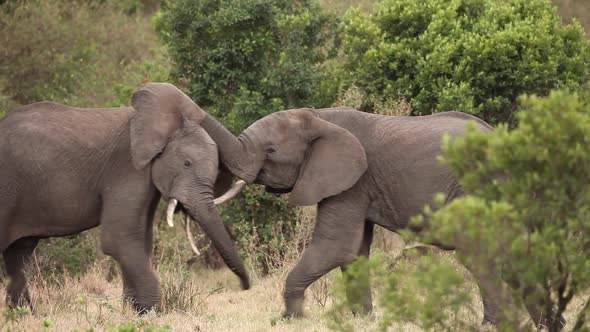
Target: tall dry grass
{"type": "Point", "coordinates": [211, 300]}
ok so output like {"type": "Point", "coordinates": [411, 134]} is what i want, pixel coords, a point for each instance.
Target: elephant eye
{"type": "Point", "coordinates": [270, 150]}
{"type": "Point", "coordinates": [187, 163]}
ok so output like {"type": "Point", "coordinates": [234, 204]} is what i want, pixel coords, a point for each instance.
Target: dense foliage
{"type": "Point", "coordinates": [471, 56]}
{"type": "Point", "coordinates": [531, 191]}
{"type": "Point", "coordinates": [242, 60]}
{"type": "Point", "coordinates": [245, 59]}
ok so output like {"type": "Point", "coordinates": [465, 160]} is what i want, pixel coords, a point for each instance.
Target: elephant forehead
{"type": "Point", "coordinates": [207, 140]}
{"type": "Point", "coordinates": [277, 128]}
{"type": "Point", "coordinates": [199, 150]}
{"type": "Point", "coordinates": [209, 165]}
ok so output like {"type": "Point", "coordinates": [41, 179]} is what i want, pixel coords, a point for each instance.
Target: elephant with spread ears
{"type": "Point", "coordinates": [64, 170]}
{"type": "Point", "coordinates": [360, 169]}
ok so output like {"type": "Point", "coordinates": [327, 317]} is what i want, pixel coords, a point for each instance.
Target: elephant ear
{"type": "Point", "coordinates": [335, 162]}
{"type": "Point", "coordinates": [161, 109]}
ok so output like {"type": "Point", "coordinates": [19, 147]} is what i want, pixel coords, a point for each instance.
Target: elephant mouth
{"type": "Point", "coordinates": [180, 209]}
{"type": "Point", "coordinates": [174, 207]}
{"type": "Point", "coordinates": [274, 190]}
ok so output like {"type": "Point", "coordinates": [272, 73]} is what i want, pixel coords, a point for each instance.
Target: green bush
{"type": "Point", "coordinates": [233, 53]}
{"type": "Point", "coordinates": [242, 60]}
{"type": "Point", "coordinates": [73, 255]}
{"type": "Point", "coordinates": [472, 56]}
{"type": "Point", "coordinates": [412, 291]}
{"type": "Point", "coordinates": [264, 227]}
{"type": "Point", "coordinates": [527, 215]}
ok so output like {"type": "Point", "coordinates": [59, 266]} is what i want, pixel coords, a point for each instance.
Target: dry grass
{"type": "Point", "coordinates": [208, 300]}
{"type": "Point", "coordinates": [202, 301]}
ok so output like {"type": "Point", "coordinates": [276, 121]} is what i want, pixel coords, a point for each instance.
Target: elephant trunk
{"type": "Point", "coordinates": [236, 188]}
{"type": "Point", "coordinates": [234, 153]}
{"type": "Point", "coordinates": [207, 216]}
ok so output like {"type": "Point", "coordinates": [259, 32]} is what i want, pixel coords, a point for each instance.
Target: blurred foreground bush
{"type": "Point", "coordinates": [526, 217]}
{"type": "Point", "coordinates": [530, 203]}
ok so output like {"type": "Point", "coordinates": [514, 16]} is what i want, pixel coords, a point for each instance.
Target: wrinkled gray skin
{"type": "Point", "coordinates": [64, 170]}
{"type": "Point", "coordinates": [361, 169]}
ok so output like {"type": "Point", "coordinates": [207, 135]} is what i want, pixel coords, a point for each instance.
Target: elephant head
{"type": "Point", "coordinates": [293, 151]}
{"type": "Point", "coordinates": [290, 151]}
{"type": "Point", "coordinates": [165, 135]}
{"type": "Point", "coordinates": [296, 151]}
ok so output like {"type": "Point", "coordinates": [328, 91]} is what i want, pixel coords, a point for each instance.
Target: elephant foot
{"type": "Point", "coordinates": [362, 311]}
{"type": "Point", "coordinates": [141, 307]}
{"type": "Point", "coordinates": [142, 310]}
{"type": "Point", "coordinates": [292, 315]}
{"type": "Point", "coordinates": [293, 308]}
{"type": "Point", "coordinates": [487, 321]}
{"type": "Point", "coordinates": [489, 318]}
{"type": "Point", "coordinates": [363, 307]}
{"type": "Point", "coordinates": [546, 322]}
{"type": "Point", "coordinates": [17, 296]}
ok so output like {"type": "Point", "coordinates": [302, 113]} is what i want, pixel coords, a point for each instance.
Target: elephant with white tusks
{"type": "Point", "coordinates": [64, 170]}
{"type": "Point", "coordinates": [360, 169]}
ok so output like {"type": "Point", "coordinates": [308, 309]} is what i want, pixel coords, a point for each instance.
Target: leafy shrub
{"type": "Point", "coordinates": [527, 213]}
{"type": "Point", "coordinates": [264, 227]}
{"type": "Point", "coordinates": [73, 255]}
{"type": "Point", "coordinates": [242, 60]}
{"type": "Point", "coordinates": [412, 292]}
{"type": "Point", "coordinates": [232, 53]}
{"type": "Point", "coordinates": [85, 48]}
{"type": "Point", "coordinates": [471, 56]}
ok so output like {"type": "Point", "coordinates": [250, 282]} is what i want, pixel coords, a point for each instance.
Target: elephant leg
{"type": "Point", "coordinates": [498, 303]}
{"type": "Point", "coordinates": [335, 242]}
{"type": "Point", "coordinates": [126, 236]}
{"type": "Point", "coordinates": [535, 304]}
{"type": "Point", "coordinates": [16, 257]}
{"type": "Point", "coordinates": [358, 289]}
{"type": "Point", "coordinates": [496, 297]}
{"type": "Point", "coordinates": [140, 284]}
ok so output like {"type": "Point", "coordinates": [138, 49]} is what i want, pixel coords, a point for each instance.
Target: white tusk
{"type": "Point", "coordinates": [189, 234]}
{"type": "Point", "coordinates": [170, 212]}
{"type": "Point", "coordinates": [235, 189]}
